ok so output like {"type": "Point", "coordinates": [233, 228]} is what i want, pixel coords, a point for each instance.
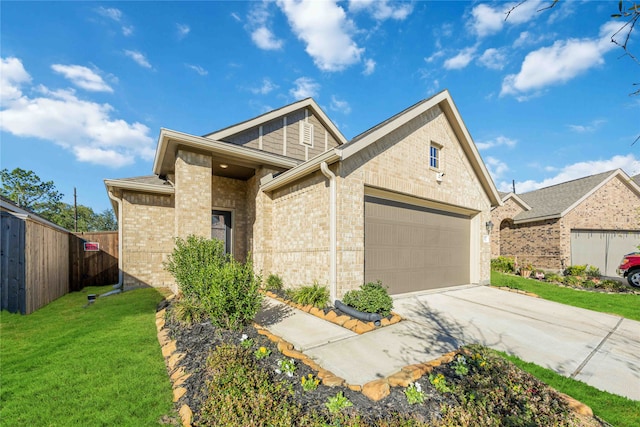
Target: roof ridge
{"type": "Point", "coordinates": [570, 181]}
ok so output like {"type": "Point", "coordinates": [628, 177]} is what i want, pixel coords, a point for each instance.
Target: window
{"type": "Point", "coordinates": [434, 156]}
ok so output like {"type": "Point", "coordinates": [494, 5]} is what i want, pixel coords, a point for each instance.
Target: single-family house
{"type": "Point", "coordinates": [407, 202]}
{"type": "Point", "coordinates": [593, 220]}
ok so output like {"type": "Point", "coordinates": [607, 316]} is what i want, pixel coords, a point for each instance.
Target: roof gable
{"type": "Point", "coordinates": [513, 196]}
{"type": "Point", "coordinates": [230, 131]}
{"type": "Point", "coordinates": [558, 200]}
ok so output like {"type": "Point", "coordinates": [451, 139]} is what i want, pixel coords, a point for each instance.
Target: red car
{"type": "Point", "coordinates": [630, 268]}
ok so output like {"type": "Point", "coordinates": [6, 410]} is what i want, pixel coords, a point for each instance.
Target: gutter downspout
{"type": "Point", "coordinates": [120, 284]}
{"type": "Point", "coordinates": [333, 273]}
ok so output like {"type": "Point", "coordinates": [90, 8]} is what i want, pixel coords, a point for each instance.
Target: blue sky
{"type": "Point", "coordinates": [86, 86]}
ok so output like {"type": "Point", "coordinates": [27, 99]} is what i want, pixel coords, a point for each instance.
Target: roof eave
{"type": "Point", "coordinates": [138, 186]}
{"type": "Point", "coordinates": [222, 148]}
{"type": "Point", "coordinates": [301, 171]}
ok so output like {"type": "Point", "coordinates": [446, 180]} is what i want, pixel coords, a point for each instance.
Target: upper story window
{"type": "Point", "coordinates": [435, 155]}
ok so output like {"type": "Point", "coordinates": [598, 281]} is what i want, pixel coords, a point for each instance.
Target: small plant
{"type": "Point", "coordinates": [575, 270]}
{"type": "Point", "coordinates": [440, 383]}
{"type": "Point", "coordinates": [274, 283]}
{"type": "Point", "coordinates": [337, 403]}
{"type": "Point", "coordinates": [593, 272]}
{"type": "Point", "coordinates": [286, 366]}
{"type": "Point", "coordinates": [370, 298]}
{"type": "Point", "coordinates": [315, 295]}
{"type": "Point", "coordinates": [503, 264]}
{"type": "Point", "coordinates": [553, 278]}
{"type": "Point", "coordinates": [460, 366]}
{"type": "Point", "coordinates": [262, 353]}
{"type": "Point", "coordinates": [478, 360]}
{"type": "Point", "coordinates": [414, 394]}
{"type": "Point", "coordinates": [245, 341]}
{"type": "Point", "coordinates": [572, 281]}
{"type": "Point", "coordinates": [310, 383]}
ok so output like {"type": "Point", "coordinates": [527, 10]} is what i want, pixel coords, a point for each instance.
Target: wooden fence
{"type": "Point", "coordinates": [93, 268]}
{"type": "Point", "coordinates": [41, 262]}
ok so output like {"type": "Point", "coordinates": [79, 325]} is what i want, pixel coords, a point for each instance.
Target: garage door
{"type": "Point", "coordinates": [412, 248]}
{"type": "Point", "coordinates": [603, 249]}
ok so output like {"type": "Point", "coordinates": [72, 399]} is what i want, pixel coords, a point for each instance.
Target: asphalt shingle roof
{"type": "Point", "coordinates": [554, 200]}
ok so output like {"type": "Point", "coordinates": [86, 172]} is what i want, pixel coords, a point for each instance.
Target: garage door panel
{"type": "Point", "coordinates": [601, 248]}
{"type": "Point", "coordinates": [410, 248]}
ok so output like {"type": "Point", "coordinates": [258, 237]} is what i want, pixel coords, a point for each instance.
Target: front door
{"type": "Point", "coordinates": [221, 228]}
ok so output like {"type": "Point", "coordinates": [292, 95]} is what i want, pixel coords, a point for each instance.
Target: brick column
{"type": "Point", "coordinates": [193, 194]}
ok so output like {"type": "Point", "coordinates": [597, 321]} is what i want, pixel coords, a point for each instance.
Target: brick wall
{"type": "Point", "coordinates": [193, 194]}
{"type": "Point", "coordinates": [499, 215]}
{"type": "Point", "coordinates": [147, 238]}
{"type": "Point", "coordinates": [536, 242]}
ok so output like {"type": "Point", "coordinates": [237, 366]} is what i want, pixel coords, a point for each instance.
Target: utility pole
{"type": "Point", "coordinates": [75, 210]}
{"type": "Point", "coordinates": [513, 184]}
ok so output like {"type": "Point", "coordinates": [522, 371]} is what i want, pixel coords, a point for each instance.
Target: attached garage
{"type": "Point", "coordinates": [414, 248]}
{"type": "Point", "coordinates": [602, 249]}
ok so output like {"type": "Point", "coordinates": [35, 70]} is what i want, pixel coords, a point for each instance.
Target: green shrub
{"type": "Point", "coordinates": [233, 298]}
{"type": "Point", "coordinates": [316, 295]}
{"type": "Point", "coordinates": [589, 284]}
{"type": "Point", "coordinates": [575, 270]}
{"type": "Point", "coordinates": [503, 264]}
{"type": "Point", "coordinates": [593, 272]}
{"type": "Point", "coordinates": [611, 285]}
{"type": "Point", "coordinates": [213, 284]}
{"type": "Point", "coordinates": [553, 278]}
{"type": "Point", "coordinates": [190, 262]}
{"type": "Point", "coordinates": [274, 283]}
{"type": "Point", "coordinates": [370, 298]}
{"type": "Point", "coordinates": [572, 281]}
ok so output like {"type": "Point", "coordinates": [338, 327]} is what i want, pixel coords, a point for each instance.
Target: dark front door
{"type": "Point", "coordinates": [221, 228]}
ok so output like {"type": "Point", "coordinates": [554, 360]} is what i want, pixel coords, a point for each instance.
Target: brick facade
{"type": "Point", "coordinates": [287, 231]}
{"type": "Point", "coordinates": [547, 244]}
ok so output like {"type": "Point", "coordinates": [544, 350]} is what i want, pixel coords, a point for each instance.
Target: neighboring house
{"type": "Point", "coordinates": [406, 202]}
{"type": "Point", "coordinates": [593, 220]}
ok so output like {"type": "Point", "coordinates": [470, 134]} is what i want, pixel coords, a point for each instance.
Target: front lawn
{"type": "Point", "coordinates": [67, 364]}
{"type": "Point", "coordinates": [625, 305]}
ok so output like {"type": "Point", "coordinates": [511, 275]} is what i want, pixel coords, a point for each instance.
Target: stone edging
{"type": "Point", "coordinates": [348, 322]}
{"type": "Point", "coordinates": [517, 291]}
{"type": "Point", "coordinates": [374, 390]}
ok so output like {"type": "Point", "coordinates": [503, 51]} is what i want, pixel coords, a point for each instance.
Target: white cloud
{"type": "Point", "coordinates": [83, 127]}
{"type": "Point", "coordinates": [381, 9]}
{"type": "Point", "coordinates": [559, 63]}
{"type": "Point", "coordinates": [588, 128]}
{"type": "Point", "coordinates": [12, 77]}
{"type": "Point", "coordinates": [496, 167]}
{"type": "Point", "coordinates": [305, 87]}
{"type": "Point", "coordinates": [183, 30]}
{"type": "Point", "coordinates": [258, 23]}
{"type": "Point", "coordinates": [494, 59]}
{"type": "Point", "coordinates": [496, 142]}
{"type": "Point", "coordinates": [437, 54]}
{"type": "Point", "coordinates": [369, 67]}
{"type": "Point", "coordinates": [266, 87]}
{"type": "Point", "coordinates": [111, 13]}
{"type": "Point", "coordinates": [138, 57]}
{"type": "Point", "coordinates": [198, 69]}
{"type": "Point", "coordinates": [627, 163]}
{"type": "Point", "coordinates": [461, 60]}
{"type": "Point", "coordinates": [116, 16]}
{"type": "Point", "coordinates": [339, 105]}
{"type": "Point", "coordinates": [82, 77]}
{"type": "Point", "coordinates": [265, 39]}
{"type": "Point", "coordinates": [236, 17]}
{"type": "Point", "coordinates": [326, 30]}
{"type": "Point", "coordinates": [487, 20]}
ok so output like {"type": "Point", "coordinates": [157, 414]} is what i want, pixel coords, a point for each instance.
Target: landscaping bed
{"type": "Point", "coordinates": [240, 388]}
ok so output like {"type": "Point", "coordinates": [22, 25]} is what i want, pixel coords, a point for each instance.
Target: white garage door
{"type": "Point", "coordinates": [603, 249]}
{"type": "Point", "coordinates": [412, 248]}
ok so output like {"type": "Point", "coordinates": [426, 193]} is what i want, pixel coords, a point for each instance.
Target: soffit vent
{"type": "Point", "coordinates": [306, 134]}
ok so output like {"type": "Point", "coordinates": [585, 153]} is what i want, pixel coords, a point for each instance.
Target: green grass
{"type": "Point", "coordinates": [625, 305]}
{"type": "Point", "coordinates": [616, 410]}
{"type": "Point", "coordinates": [99, 365]}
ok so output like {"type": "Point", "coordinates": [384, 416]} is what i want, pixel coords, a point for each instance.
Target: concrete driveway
{"type": "Point", "coordinates": [599, 349]}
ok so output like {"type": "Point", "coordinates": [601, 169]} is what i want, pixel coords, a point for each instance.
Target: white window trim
{"type": "Point", "coordinates": [439, 147]}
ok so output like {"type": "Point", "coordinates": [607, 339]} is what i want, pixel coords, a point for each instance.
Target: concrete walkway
{"type": "Point", "coordinates": [599, 349]}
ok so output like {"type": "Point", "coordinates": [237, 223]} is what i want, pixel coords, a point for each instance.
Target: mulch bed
{"type": "Point", "coordinates": [197, 340]}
